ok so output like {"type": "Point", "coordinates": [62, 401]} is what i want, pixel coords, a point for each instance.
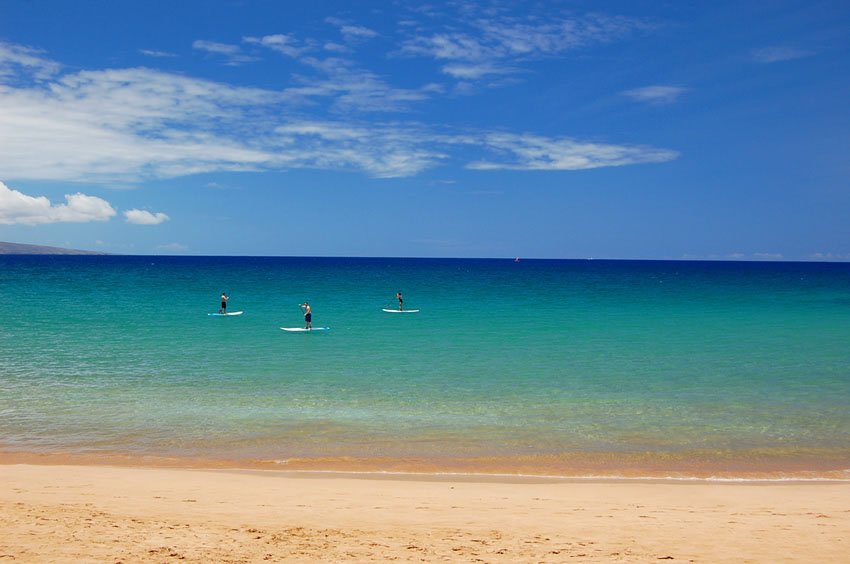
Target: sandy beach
{"type": "Point", "coordinates": [125, 514]}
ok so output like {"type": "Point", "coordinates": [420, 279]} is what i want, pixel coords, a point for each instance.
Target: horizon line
{"type": "Point", "coordinates": [85, 253]}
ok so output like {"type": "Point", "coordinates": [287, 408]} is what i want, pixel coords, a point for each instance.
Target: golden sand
{"type": "Point", "coordinates": [51, 513]}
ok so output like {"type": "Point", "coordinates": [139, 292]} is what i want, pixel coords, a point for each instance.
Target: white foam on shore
{"type": "Point", "coordinates": [569, 478]}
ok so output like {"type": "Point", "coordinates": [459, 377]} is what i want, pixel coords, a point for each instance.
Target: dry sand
{"type": "Point", "coordinates": [111, 514]}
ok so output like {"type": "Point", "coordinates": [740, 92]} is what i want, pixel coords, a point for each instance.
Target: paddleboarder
{"type": "Point", "coordinates": [308, 315]}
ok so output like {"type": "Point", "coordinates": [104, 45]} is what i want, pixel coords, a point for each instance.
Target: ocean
{"type": "Point", "coordinates": [641, 369]}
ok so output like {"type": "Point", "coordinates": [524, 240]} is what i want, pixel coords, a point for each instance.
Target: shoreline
{"type": "Point", "coordinates": [62, 513]}
{"type": "Point", "coordinates": [424, 469]}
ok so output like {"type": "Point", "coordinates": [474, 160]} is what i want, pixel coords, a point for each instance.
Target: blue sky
{"type": "Point", "coordinates": [706, 130]}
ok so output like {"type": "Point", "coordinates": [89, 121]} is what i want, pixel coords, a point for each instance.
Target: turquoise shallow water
{"type": "Point", "coordinates": [537, 361]}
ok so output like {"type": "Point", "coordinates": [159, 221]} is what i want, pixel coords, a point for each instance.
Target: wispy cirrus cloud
{"type": "Point", "coordinates": [144, 217]}
{"type": "Point", "coordinates": [392, 149]}
{"type": "Point", "coordinates": [474, 71]}
{"type": "Point", "coordinates": [350, 32]}
{"type": "Point", "coordinates": [337, 48]}
{"type": "Point", "coordinates": [499, 44]}
{"type": "Point", "coordinates": [19, 208]}
{"type": "Point", "coordinates": [534, 152]}
{"type": "Point", "coordinates": [14, 58]}
{"type": "Point", "coordinates": [656, 94]}
{"type": "Point", "coordinates": [338, 81]}
{"type": "Point", "coordinates": [232, 54]}
{"type": "Point", "coordinates": [283, 43]}
{"type": "Point", "coordinates": [776, 54]}
{"type": "Point", "coordinates": [128, 125]}
{"type": "Point", "coordinates": [384, 150]}
{"type": "Point", "coordinates": [357, 32]}
{"type": "Point", "coordinates": [156, 54]}
{"type": "Point", "coordinates": [215, 47]}
{"type": "Point", "coordinates": [348, 87]}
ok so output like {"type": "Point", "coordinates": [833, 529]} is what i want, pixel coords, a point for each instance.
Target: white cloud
{"type": "Point", "coordinates": [777, 54]}
{"type": "Point", "coordinates": [830, 256]}
{"type": "Point", "coordinates": [122, 126]}
{"type": "Point", "coordinates": [214, 47]}
{"type": "Point", "coordinates": [500, 42]}
{"type": "Point", "coordinates": [143, 217]}
{"type": "Point", "coordinates": [383, 150]}
{"type": "Point", "coordinates": [457, 46]}
{"type": "Point", "coordinates": [232, 53]}
{"type": "Point", "coordinates": [392, 150]}
{"type": "Point", "coordinates": [350, 88]}
{"type": "Point", "coordinates": [19, 57]}
{"type": "Point", "coordinates": [351, 32]}
{"type": "Point", "coordinates": [126, 125]}
{"type": "Point", "coordinates": [155, 53]}
{"type": "Point", "coordinates": [533, 152]}
{"type": "Point", "coordinates": [18, 208]}
{"type": "Point", "coordinates": [336, 47]}
{"type": "Point", "coordinates": [656, 94]}
{"type": "Point", "coordinates": [472, 71]}
{"type": "Point", "coordinates": [281, 43]}
{"type": "Point", "coordinates": [339, 81]}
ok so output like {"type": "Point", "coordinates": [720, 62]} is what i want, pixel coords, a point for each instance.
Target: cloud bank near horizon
{"type": "Point", "coordinates": [144, 217]}
{"type": "Point", "coordinates": [19, 208]}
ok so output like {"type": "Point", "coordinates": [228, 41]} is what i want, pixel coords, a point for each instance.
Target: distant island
{"type": "Point", "coordinates": [21, 249]}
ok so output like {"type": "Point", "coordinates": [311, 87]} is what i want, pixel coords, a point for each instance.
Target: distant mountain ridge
{"type": "Point", "coordinates": [21, 249]}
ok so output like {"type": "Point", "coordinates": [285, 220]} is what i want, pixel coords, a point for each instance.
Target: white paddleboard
{"type": "Point", "coordinates": [226, 314]}
{"type": "Point", "coordinates": [401, 311]}
{"type": "Point", "coordinates": [303, 330]}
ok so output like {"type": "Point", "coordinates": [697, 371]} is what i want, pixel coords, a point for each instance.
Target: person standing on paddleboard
{"type": "Point", "coordinates": [224, 298]}
{"type": "Point", "coordinates": [308, 315]}
{"type": "Point", "coordinates": [400, 301]}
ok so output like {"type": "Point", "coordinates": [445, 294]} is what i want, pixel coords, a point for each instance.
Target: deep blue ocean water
{"type": "Point", "coordinates": [715, 362]}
